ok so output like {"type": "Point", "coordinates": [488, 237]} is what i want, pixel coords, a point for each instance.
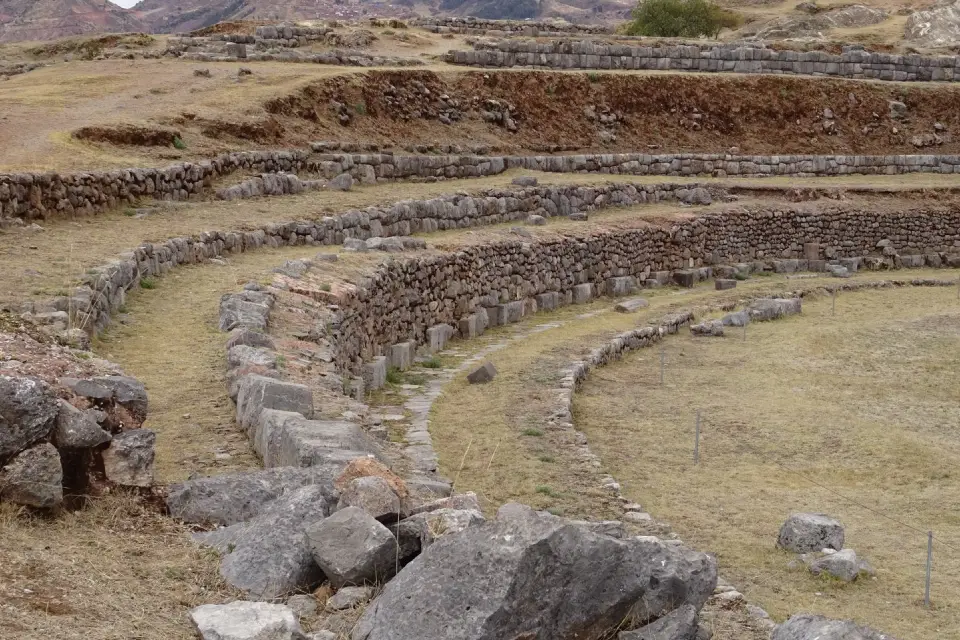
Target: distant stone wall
{"type": "Point", "coordinates": [854, 62]}
{"type": "Point", "coordinates": [487, 285]}
{"type": "Point", "coordinates": [52, 195]}
{"type": "Point", "coordinates": [480, 26]}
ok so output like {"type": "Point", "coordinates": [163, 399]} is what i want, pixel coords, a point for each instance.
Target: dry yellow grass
{"type": "Point", "coordinates": [863, 403]}
{"type": "Point", "coordinates": [114, 571]}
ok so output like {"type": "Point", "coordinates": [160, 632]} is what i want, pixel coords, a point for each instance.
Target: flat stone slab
{"type": "Point", "coordinates": [631, 305]}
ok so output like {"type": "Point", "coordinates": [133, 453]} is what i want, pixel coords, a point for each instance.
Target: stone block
{"type": "Point", "coordinates": [438, 336]}
{"type": "Point", "coordinates": [582, 293]}
{"type": "Point", "coordinates": [686, 277]}
{"type": "Point", "coordinates": [811, 250]}
{"type": "Point", "coordinates": [128, 461]}
{"type": "Point", "coordinates": [400, 356]}
{"type": "Point", "coordinates": [482, 374]}
{"type": "Point", "coordinates": [621, 286]}
{"type": "Point", "coordinates": [810, 532]}
{"type": "Point", "coordinates": [469, 326]}
{"type": "Point", "coordinates": [375, 373]}
{"type": "Point", "coordinates": [257, 393]}
{"type": "Point", "coordinates": [548, 301]}
{"type": "Point", "coordinates": [511, 312]}
{"type": "Point", "coordinates": [34, 478]}
{"type": "Point", "coordinates": [631, 305]}
{"type": "Point", "coordinates": [352, 548]}
{"type": "Point", "coordinates": [722, 284]}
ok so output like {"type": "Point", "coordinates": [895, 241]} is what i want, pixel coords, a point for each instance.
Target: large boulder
{"type": "Point", "coordinates": [374, 495]}
{"type": "Point", "coordinates": [352, 548]}
{"type": "Point", "coordinates": [532, 576]}
{"type": "Point", "coordinates": [28, 410]}
{"type": "Point", "coordinates": [806, 626]}
{"type": "Point", "coordinates": [269, 556]}
{"type": "Point", "coordinates": [679, 624]}
{"type": "Point", "coordinates": [237, 497]}
{"type": "Point", "coordinates": [33, 478]}
{"type": "Point", "coordinates": [808, 532]}
{"type": "Point", "coordinates": [257, 393]}
{"type": "Point", "coordinates": [773, 308]}
{"type": "Point", "coordinates": [77, 429]}
{"type": "Point", "coordinates": [246, 621]}
{"type": "Point", "coordinates": [128, 461]}
{"type": "Point", "coordinates": [936, 27]}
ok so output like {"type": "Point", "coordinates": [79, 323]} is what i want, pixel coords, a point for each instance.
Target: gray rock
{"type": "Point", "coordinates": [521, 231]}
{"type": "Point", "coordinates": [246, 621]}
{"type": "Point", "coordinates": [244, 356]}
{"type": "Point", "coordinates": [249, 338]}
{"type": "Point", "coordinates": [736, 319]}
{"type": "Point", "coordinates": [352, 548]}
{"type": "Point", "coordinates": [462, 501]}
{"type": "Point", "coordinates": [482, 374]}
{"type": "Point", "coordinates": [322, 635]}
{"type": "Point", "coordinates": [708, 328]}
{"type": "Point", "coordinates": [578, 216]}
{"type": "Point", "coordinates": [87, 388]}
{"type": "Point", "coordinates": [686, 277]}
{"type": "Point", "coordinates": [843, 565]}
{"type": "Point", "coordinates": [302, 605]}
{"type": "Point", "coordinates": [257, 393]}
{"type": "Point", "coordinates": [127, 392]}
{"type": "Point", "coordinates": [524, 181]}
{"type": "Point", "coordinates": [807, 532]}
{"type": "Point", "coordinates": [269, 556]}
{"type": "Point", "coordinates": [33, 478]}
{"type": "Point", "coordinates": [443, 522]}
{"type": "Point", "coordinates": [697, 195]}
{"type": "Point", "coordinates": [293, 268]}
{"type": "Point", "coordinates": [128, 461]}
{"type": "Point", "coordinates": [343, 182]}
{"type": "Point", "coordinates": [389, 245]}
{"type": "Point", "coordinates": [28, 411]}
{"type": "Point", "coordinates": [77, 429]}
{"type": "Point", "coordinates": [535, 220]}
{"type": "Point", "coordinates": [348, 598]}
{"type": "Point", "coordinates": [568, 581]}
{"type": "Point", "coordinates": [679, 624]}
{"type": "Point", "coordinates": [374, 495]}
{"type": "Point", "coordinates": [806, 626]}
{"type": "Point", "coordinates": [773, 308]}
{"type": "Point", "coordinates": [250, 309]}
{"type": "Point", "coordinates": [631, 305]}
{"type": "Point", "coordinates": [722, 284]}
{"type": "Point", "coordinates": [236, 497]}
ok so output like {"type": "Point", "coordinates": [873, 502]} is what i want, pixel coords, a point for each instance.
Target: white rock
{"type": "Point", "coordinates": [242, 620]}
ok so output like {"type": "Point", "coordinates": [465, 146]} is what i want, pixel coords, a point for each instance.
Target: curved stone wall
{"type": "Point", "coordinates": [34, 195]}
{"type": "Point", "coordinates": [430, 299]}
{"type": "Point", "coordinates": [854, 62]}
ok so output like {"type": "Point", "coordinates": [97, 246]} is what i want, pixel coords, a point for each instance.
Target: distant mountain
{"type": "Point", "coordinates": [52, 19]}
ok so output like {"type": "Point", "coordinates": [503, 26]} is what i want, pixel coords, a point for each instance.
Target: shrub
{"type": "Point", "coordinates": [593, 76]}
{"type": "Point", "coordinates": [179, 144]}
{"type": "Point", "coordinates": [432, 363]}
{"type": "Point", "coordinates": [532, 432]}
{"type": "Point", "coordinates": [681, 19]}
{"type": "Point", "coordinates": [148, 283]}
{"type": "Point", "coordinates": [394, 376]}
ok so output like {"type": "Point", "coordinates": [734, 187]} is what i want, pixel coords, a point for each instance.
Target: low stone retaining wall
{"type": "Point", "coordinates": [429, 300]}
{"type": "Point", "coordinates": [480, 26]}
{"type": "Point", "coordinates": [854, 62]}
{"type": "Point", "coordinates": [34, 195]}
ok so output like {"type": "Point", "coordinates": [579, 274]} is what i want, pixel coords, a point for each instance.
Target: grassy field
{"type": "Point", "coordinates": [853, 414]}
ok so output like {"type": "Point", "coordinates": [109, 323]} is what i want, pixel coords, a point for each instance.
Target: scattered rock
{"type": "Point", "coordinates": [712, 328]}
{"type": "Point", "coordinates": [679, 624]}
{"type": "Point", "coordinates": [631, 305]}
{"type": "Point", "coordinates": [722, 284]}
{"type": "Point", "coordinates": [28, 411]}
{"type": "Point", "coordinates": [201, 73]}
{"type": "Point", "coordinates": [697, 195]}
{"type": "Point", "coordinates": [843, 565]}
{"type": "Point", "coordinates": [806, 626]}
{"type": "Point", "coordinates": [807, 532]}
{"type": "Point", "coordinates": [128, 461]}
{"type": "Point", "coordinates": [34, 478]}
{"type": "Point", "coordinates": [773, 308]}
{"type": "Point", "coordinates": [302, 605]}
{"type": "Point", "coordinates": [535, 220]}
{"type": "Point", "coordinates": [578, 216]}
{"type": "Point", "coordinates": [578, 582]}
{"type": "Point", "coordinates": [348, 598]}
{"type": "Point", "coordinates": [482, 374]}
{"type": "Point", "coordinates": [374, 495]}
{"type": "Point", "coordinates": [524, 181]}
{"type": "Point", "coordinates": [243, 620]}
{"type": "Point", "coordinates": [352, 548]}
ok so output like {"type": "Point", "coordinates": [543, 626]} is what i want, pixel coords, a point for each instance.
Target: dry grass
{"type": "Point", "coordinates": [863, 403]}
{"type": "Point", "coordinates": [114, 571]}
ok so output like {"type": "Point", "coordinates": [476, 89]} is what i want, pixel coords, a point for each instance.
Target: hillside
{"type": "Point", "coordinates": [22, 20]}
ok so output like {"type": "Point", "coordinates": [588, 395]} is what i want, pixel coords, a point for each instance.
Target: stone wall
{"type": "Point", "coordinates": [480, 26]}
{"type": "Point", "coordinates": [854, 62]}
{"type": "Point", "coordinates": [47, 195]}
{"type": "Point", "coordinates": [492, 284]}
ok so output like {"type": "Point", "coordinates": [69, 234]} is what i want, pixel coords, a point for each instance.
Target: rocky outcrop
{"type": "Point", "coordinates": [936, 27]}
{"type": "Point", "coordinates": [538, 575]}
{"type": "Point", "coordinates": [805, 626]}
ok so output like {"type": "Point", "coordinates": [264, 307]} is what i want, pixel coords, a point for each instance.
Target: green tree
{"type": "Point", "coordinates": [680, 19]}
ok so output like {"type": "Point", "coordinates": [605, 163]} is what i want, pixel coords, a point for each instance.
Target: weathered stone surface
{"type": "Point", "coordinates": [259, 392]}
{"type": "Point", "coordinates": [245, 356]}
{"type": "Point", "coordinates": [438, 335]}
{"type": "Point", "coordinates": [712, 328]}
{"type": "Point", "coordinates": [287, 439]}
{"type": "Point", "coordinates": [236, 497]}
{"type": "Point", "coordinates": [482, 374]}
{"type": "Point", "coordinates": [679, 624]}
{"type": "Point", "coordinates": [243, 620]}
{"type": "Point", "coordinates": [374, 495]}
{"type": "Point", "coordinates": [443, 522]}
{"type": "Point", "coordinates": [77, 429]}
{"type": "Point", "coordinates": [631, 305]}
{"type": "Point", "coordinates": [535, 220]}
{"type": "Point", "coordinates": [33, 478]}
{"type": "Point", "coordinates": [722, 284]}
{"type": "Point", "coordinates": [461, 501]}
{"type": "Point", "coordinates": [343, 182]}
{"type": "Point", "coordinates": [524, 181]}
{"type": "Point", "coordinates": [352, 548]}
{"type": "Point", "coordinates": [269, 556]}
{"type": "Point", "coordinates": [127, 392]}
{"type": "Point", "coordinates": [736, 319]}
{"type": "Point", "coordinates": [843, 565]}
{"type": "Point", "coordinates": [400, 355]}
{"type": "Point", "coordinates": [582, 293]}
{"type": "Point", "coordinates": [250, 309]}
{"type": "Point", "coordinates": [621, 286]}
{"type": "Point", "coordinates": [686, 277]}
{"type": "Point", "coordinates": [773, 308]}
{"type": "Point", "coordinates": [806, 626]}
{"type": "Point", "coordinates": [573, 582]}
{"type": "Point", "coordinates": [302, 605]}
{"type": "Point", "coordinates": [807, 532]}
{"type": "Point", "coordinates": [349, 597]}
{"type": "Point", "coordinates": [129, 459]}
{"type": "Point", "coordinates": [28, 411]}
{"type": "Point", "coordinates": [250, 338]}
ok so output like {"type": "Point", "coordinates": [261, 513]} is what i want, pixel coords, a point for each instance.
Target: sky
{"type": "Point", "coordinates": [125, 3]}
